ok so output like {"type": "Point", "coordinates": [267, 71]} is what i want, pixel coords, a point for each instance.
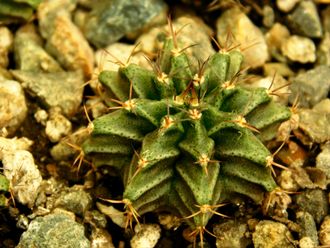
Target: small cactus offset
{"type": "Point", "coordinates": [185, 139]}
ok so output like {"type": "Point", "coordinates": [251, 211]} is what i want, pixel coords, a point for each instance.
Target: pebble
{"type": "Point", "coordinates": [275, 37]}
{"type": "Point", "coordinates": [305, 20]}
{"type": "Point", "coordinates": [299, 49]}
{"type": "Point", "coordinates": [95, 218]}
{"type": "Point", "coordinates": [100, 238]}
{"type": "Point", "coordinates": [324, 232]}
{"type": "Point", "coordinates": [23, 174]}
{"type": "Point", "coordinates": [231, 234]}
{"type": "Point", "coordinates": [311, 86]}
{"type": "Point", "coordinates": [315, 123]}
{"type": "Point", "coordinates": [28, 44]}
{"type": "Point", "coordinates": [54, 230]}
{"type": "Point", "coordinates": [64, 39]}
{"type": "Point", "coordinates": [41, 116]}
{"type": "Point", "coordinates": [6, 44]}
{"type": "Point", "coordinates": [146, 235]}
{"type": "Point", "coordinates": [307, 226]}
{"type": "Point", "coordinates": [307, 242]}
{"type": "Point", "coordinates": [268, 16]}
{"type": "Point", "coordinates": [253, 44]}
{"type": "Point", "coordinates": [13, 144]}
{"type": "Point", "coordinates": [313, 201]}
{"type": "Point", "coordinates": [271, 234]}
{"type": "Point", "coordinates": [74, 199]}
{"type": "Point", "coordinates": [115, 215]}
{"type": "Point", "coordinates": [67, 86]}
{"type": "Point", "coordinates": [286, 5]}
{"type": "Point", "coordinates": [111, 20]}
{"type": "Point", "coordinates": [323, 160]}
{"type": "Point", "coordinates": [323, 50]}
{"type": "Point", "coordinates": [13, 108]}
{"type": "Point", "coordinates": [270, 69]}
{"type": "Point", "coordinates": [57, 126]}
{"type": "Point", "coordinates": [326, 19]}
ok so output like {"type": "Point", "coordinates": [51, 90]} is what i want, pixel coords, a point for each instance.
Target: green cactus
{"type": "Point", "coordinates": [185, 139]}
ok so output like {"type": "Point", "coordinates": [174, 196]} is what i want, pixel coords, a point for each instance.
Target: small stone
{"type": "Point", "coordinates": [63, 89]}
{"type": "Point", "coordinates": [246, 34]}
{"type": "Point", "coordinates": [95, 218]}
{"type": "Point", "coordinates": [305, 20]}
{"type": "Point", "coordinates": [287, 182]}
{"type": "Point", "coordinates": [231, 234]}
{"type": "Point", "coordinates": [286, 5]}
{"type": "Point", "coordinates": [23, 174]}
{"type": "Point", "coordinates": [111, 20]}
{"type": "Point", "coordinates": [300, 49]}
{"type": "Point", "coordinates": [315, 123]}
{"type": "Point", "coordinates": [324, 232]}
{"type": "Point", "coordinates": [14, 144]}
{"type": "Point", "coordinates": [315, 202]}
{"type": "Point", "coordinates": [323, 160]}
{"type": "Point", "coordinates": [307, 242]}
{"type": "Point", "coordinates": [326, 19]}
{"type": "Point", "coordinates": [275, 37]}
{"type": "Point", "coordinates": [268, 16]}
{"type": "Point", "coordinates": [13, 108]}
{"type": "Point", "coordinates": [75, 199]}
{"type": "Point", "coordinates": [146, 235]}
{"type": "Point", "coordinates": [169, 221]}
{"type": "Point", "coordinates": [28, 44]}
{"type": "Point", "coordinates": [307, 226]}
{"type": "Point", "coordinates": [270, 69]}
{"type": "Point", "coordinates": [41, 116]}
{"type": "Point", "coordinates": [270, 234]}
{"type": "Point", "coordinates": [311, 86]}
{"type": "Point", "coordinates": [100, 238]}
{"type": "Point", "coordinates": [57, 125]}
{"type": "Point", "coordinates": [6, 44]}
{"type": "Point", "coordinates": [323, 50]}
{"type": "Point", "coordinates": [115, 215]}
{"type": "Point", "coordinates": [53, 231]}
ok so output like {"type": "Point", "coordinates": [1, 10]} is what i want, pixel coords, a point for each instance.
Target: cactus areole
{"type": "Point", "coordinates": [185, 138]}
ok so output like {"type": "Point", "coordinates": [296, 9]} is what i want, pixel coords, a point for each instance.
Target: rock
{"type": "Point", "coordinates": [75, 199]}
{"type": "Point", "coordinates": [63, 89]}
{"type": "Point", "coordinates": [268, 16]}
{"type": "Point", "coordinates": [111, 20]}
{"type": "Point", "coordinates": [270, 234]}
{"type": "Point", "coordinates": [305, 20]}
{"type": "Point", "coordinates": [53, 231]}
{"type": "Point", "coordinates": [323, 160]}
{"type": "Point", "coordinates": [275, 37]}
{"type": "Point", "coordinates": [307, 242]}
{"type": "Point", "coordinates": [100, 238]}
{"type": "Point", "coordinates": [300, 49]}
{"type": "Point", "coordinates": [286, 5]}
{"type": "Point", "coordinates": [115, 215]}
{"type": "Point", "coordinates": [308, 227]}
{"type": "Point", "coordinates": [324, 232]}
{"type": "Point", "coordinates": [64, 40]}
{"type": "Point", "coordinates": [311, 86]}
{"type": "Point", "coordinates": [231, 234]}
{"type": "Point", "coordinates": [6, 44]}
{"type": "Point", "coordinates": [146, 235]}
{"type": "Point", "coordinates": [13, 108]}
{"type": "Point", "coordinates": [29, 54]}
{"type": "Point", "coordinates": [17, 11]}
{"type": "Point", "coordinates": [323, 50]}
{"type": "Point", "coordinates": [315, 202]}
{"type": "Point", "coordinates": [326, 19]}
{"type": "Point", "coordinates": [14, 144]}
{"type": "Point", "coordinates": [41, 116]}
{"type": "Point", "coordinates": [315, 123]}
{"type": "Point", "coordinates": [169, 221]}
{"type": "Point", "coordinates": [251, 40]}
{"type": "Point", "coordinates": [95, 218]}
{"type": "Point", "coordinates": [270, 69]}
{"type": "Point", "coordinates": [23, 174]}
{"type": "Point", "coordinates": [57, 125]}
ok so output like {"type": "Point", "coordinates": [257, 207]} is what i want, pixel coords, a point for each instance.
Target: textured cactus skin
{"type": "Point", "coordinates": [185, 141]}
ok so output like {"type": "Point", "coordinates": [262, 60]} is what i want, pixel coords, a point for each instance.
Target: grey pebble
{"type": "Point", "coordinates": [323, 160]}
{"type": "Point", "coordinates": [75, 199]}
{"type": "Point", "coordinates": [305, 20]}
{"type": "Point", "coordinates": [311, 86]}
{"type": "Point", "coordinates": [308, 226]}
{"type": "Point", "coordinates": [231, 234]}
{"type": "Point", "coordinates": [111, 20]}
{"type": "Point", "coordinates": [63, 89]}
{"type": "Point", "coordinates": [315, 202]}
{"type": "Point", "coordinates": [53, 231]}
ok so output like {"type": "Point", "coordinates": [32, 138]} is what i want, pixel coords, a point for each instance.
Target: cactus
{"type": "Point", "coordinates": [185, 139]}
